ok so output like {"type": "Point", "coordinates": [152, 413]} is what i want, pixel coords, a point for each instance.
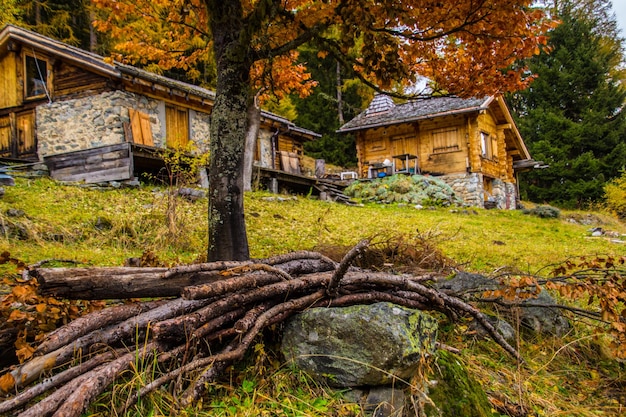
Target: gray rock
{"type": "Point", "coordinates": [360, 345]}
{"type": "Point", "coordinates": [15, 212]}
{"type": "Point", "coordinates": [384, 402]}
{"type": "Point", "coordinates": [503, 327]}
{"type": "Point", "coordinates": [538, 317]}
{"type": "Point", "coordinates": [535, 315]}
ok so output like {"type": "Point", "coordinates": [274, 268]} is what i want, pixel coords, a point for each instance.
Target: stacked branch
{"type": "Point", "coordinates": [210, 325]}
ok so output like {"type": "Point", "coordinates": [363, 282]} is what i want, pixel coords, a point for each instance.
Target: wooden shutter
{"type": "Point", "coordinates": [140, 126]}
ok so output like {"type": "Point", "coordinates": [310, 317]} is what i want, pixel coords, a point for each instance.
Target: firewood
{"type": "Point", "coordinates": [132, 282]}
{"type": "Point", "coordinates": [225, 305]}
{"type": "Point", "coordinates": [92, 321]}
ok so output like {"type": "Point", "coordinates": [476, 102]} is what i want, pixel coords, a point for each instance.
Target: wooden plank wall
{"type": "Point", "coordinates": [73, 81]}
{"type": "Point", "coordinates": [9, 85]}
{"type": "Point", "coordinates": [106, 163]}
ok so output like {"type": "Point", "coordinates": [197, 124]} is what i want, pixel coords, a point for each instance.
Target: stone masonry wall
{"type": "Point", "coordinates": [469, 187]}
{"type": "Point", "coordinates": [88, 122]}
{"type": "Point", "coordinates": [200, 130]}
{"type": "Point", "coordinates": [98, 120]}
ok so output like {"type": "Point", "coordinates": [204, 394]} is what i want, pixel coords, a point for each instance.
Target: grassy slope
{"type": "Point", "coordinates": [62, 223]}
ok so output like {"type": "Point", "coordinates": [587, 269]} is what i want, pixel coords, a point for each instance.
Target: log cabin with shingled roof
{"type": "Point", "coordinates": [472, 144]}
{"type": "Point", "coordinates": [96, 121]}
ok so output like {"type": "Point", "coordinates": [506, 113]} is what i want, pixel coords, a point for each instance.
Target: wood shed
{"type": "Point", "coordinates": [93, 120]}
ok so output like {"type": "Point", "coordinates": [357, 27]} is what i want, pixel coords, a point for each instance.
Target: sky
{"type": "Point", "coordinates": [619, 7]}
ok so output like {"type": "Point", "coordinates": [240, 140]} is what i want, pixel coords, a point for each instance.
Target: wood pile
{"type": "Point", "coordinates": [214, 313]}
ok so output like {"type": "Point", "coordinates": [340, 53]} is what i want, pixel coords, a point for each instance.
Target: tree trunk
{"type": "Point", "coordinates": [254, 123]}
{"type": "Point", "coordinates": [227, 229]}
{"type": "Point", "coordinates": [339, 85]}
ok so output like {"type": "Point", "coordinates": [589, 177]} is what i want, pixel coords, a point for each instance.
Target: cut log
{"type": "Point", "coordinates": [126, 330]}
{"type": "Point", "coordinates": [130, 282]}
{"type": "Point", "coordinates": [92, 321]}
{"type": "Point", "coordinates": [115, 282]}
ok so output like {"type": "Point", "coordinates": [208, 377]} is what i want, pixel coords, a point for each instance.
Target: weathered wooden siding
{"type": "Point", "coordinates": [106, 163]}
{"type": "Point", "coordinates": [72, 81]}
{"type": "Point", "coordinates": [438, 157]}
{"type": "Point", "coordinates": [424, 139]}
{"type": "Point", "coordinates": [290, 147]}
{"type": "Point", "coordinates": [5, 136]}
{"type": "Point", "coordinates": [9, 86]}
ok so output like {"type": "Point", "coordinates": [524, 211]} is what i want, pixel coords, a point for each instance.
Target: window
{"type": "Point", "coordinates": [488, 146]}
{"type": "Point", "coordinates": [36, 77]}
{"type": "Point", "coordinates": [485, 145]}
{"type": "Point", "coordinates": [176, 127]}
{"type": "Point", "coordinates": [445, 140]}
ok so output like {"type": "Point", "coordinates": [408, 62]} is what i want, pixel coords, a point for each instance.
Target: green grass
{"type": "Point", "coordinates": [104, 227]}
{"type": "Point", "coordinates": [61, 222]}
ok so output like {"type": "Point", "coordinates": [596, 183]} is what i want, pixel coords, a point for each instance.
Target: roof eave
{"type": "Point", "coordinates": [413, 119]}
{"type": "Point", "coordinates": [70, 53]}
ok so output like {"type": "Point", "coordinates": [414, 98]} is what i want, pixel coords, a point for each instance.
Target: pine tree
{"type": "Point", "coordinates": [323, 110]}
{"type": "Point", "coordinates": [572, 117]}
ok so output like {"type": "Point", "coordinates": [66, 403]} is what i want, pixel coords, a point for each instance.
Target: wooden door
{"type": "Point", "coordinates": [5, 137]}
{"type": "Point", "coordinates": [176, 127]}
{"type": "Point", "coordinates": [140, 127]}
{"type": "Point", "coordinates": [26, 134]}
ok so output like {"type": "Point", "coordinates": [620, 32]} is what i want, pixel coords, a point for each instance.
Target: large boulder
{"type": "Point", "coordinates": [360, 345]}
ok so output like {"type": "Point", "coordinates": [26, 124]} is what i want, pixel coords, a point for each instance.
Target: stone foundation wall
{"type": "Point", "coordinates": [200, 130]}
{"type": "Point", "coordinates": [469, 187]}
{"type": "Point", "coordinates": [98, 120]}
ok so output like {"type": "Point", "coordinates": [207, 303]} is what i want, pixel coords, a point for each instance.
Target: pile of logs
{"type": "Point", "coordinates": [213, 314]}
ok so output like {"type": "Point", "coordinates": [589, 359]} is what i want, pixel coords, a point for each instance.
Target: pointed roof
{"type": "Point", "coordinates": [383, 112]}
{"type": "Point", "coordinates": [116, 70]}
{"type": "Point", "coordinates": [381, 103]}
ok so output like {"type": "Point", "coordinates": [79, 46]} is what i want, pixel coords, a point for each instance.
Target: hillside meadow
{"type": "Point", "coordinates": [42, 220]}
{"type": "Point", "coordinates": [570, 376]}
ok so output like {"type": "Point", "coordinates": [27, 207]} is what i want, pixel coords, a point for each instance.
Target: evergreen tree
{"type": "Point", "coordinates": [10, 12]}
{"type": "Point", "coordinates": [323, 110]}
{"type": "Point", "coordinates": [572, 117]}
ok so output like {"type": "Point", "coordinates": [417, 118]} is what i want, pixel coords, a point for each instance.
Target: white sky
{"type": "Point", "coordinates": [619, 7]}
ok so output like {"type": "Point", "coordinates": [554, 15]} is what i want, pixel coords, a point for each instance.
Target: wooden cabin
{"type": "Point", "coordinates": [472, 144]}
{"type": "Point", "coordinates": [95, 121]}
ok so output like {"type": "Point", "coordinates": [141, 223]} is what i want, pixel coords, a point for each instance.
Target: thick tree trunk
{"type": "Point", "coordinates": [227, 229]}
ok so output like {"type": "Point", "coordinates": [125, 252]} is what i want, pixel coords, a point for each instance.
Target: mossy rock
{"type": "Point", "coordinates": [456, 393]}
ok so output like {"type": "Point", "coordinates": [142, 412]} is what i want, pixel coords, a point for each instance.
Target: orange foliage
{"type": "Point", "coordinates": [33, 315]}
{"type": "Point", "coordinates": [596, 284]}
{"type": "Point", "coordinates": [467, 48]}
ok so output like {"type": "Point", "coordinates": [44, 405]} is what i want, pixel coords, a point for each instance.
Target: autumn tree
{"type": "Point", "coordinates": [467, 47]}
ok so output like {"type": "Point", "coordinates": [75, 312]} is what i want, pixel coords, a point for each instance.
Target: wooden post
{"type": "Point", "coordinates": [320, 168]}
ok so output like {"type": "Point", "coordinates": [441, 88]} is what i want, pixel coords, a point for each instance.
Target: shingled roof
{"type": "Point", "coordinates": [383, 112]}
{"type": "Point", "coordinates": [116, 70]}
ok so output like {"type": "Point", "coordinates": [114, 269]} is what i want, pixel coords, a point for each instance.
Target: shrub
{"type": "Point", "coordinates": [545, 212]}
{"type": "Point", "coordinates": [417, 189]}
{"type": "Point", "coordinates": [615, 195]}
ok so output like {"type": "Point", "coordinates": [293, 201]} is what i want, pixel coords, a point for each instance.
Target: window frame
{"type": "Point", "coordinates": [37, 62]}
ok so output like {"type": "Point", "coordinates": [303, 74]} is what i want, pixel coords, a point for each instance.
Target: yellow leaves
{"type": "Point", "coordinates": [17, 315]}
{"type": "Point", "coordinates": [7, 382]}
{"type": "Point", "coordinates": [23, 350]}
